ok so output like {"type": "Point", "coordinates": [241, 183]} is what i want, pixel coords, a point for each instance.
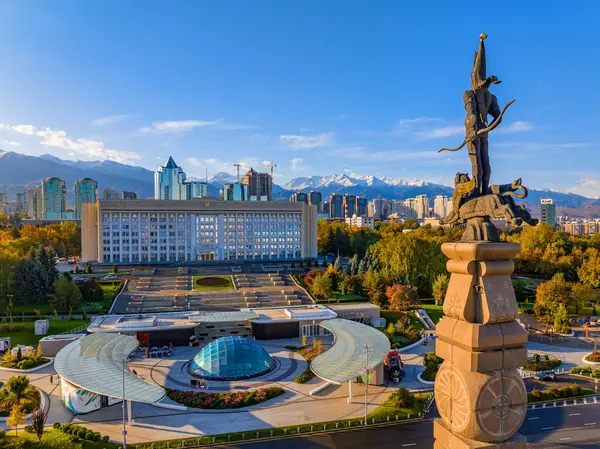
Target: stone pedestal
{"type": "Point", "coordinates": [480, 396]}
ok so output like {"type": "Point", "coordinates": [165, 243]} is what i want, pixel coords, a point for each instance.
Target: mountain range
{"type": "Point", "coordinates": [19, 172]}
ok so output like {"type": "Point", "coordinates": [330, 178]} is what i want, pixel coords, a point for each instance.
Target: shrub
{"type": "Point", "coordinates": [586, 370]}
{"type": "Point", "coordinates": [401, 398]}
{"type": "Point", "coordinates": [89, 435]}
{"type": "Point", "coordinates": [97, 436]}
{"type": "Point", "coordinates": [2, 434]}
{"type": "Point", "coordinates": [576, 370]}
{"type": "Point", "coordinates": [536, 357]}
{"type": "Point", "coordinates": [537, 394]}
{"type": "Point", "coordinates": [546, 358]}
{"type": "Point", "coordinates": [554, 392]}
{"type": "Point", "coordinates": [81, 433]}
{"type": "Point", "coordinates": [66, 427]}
{"type": "Point", "coordinates": [29, 428]}
{"type": "Point", "coordinates": [105, 438]}
{"type": "Point", "coordinates": [56, 425]}
{"type": "Point", "coordinates": [575, 390]}
{"type": "Point", "coordinates": [396, 345]}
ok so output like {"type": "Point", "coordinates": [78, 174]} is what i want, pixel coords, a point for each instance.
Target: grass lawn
{"type": "Point", "coordinates": [56, 439]}
{"type": "Point", "coordinates": [393, 317]}
{"type": "Point", "coordinates": [381, 413]}
{"type": "Point", "coordinates": [213, 283]}
{"type": "Point", "coordinates": [25, 335]}
{"type": "Point", "coordinates": [339, 298]}
{"type": "Point", "coordinates": [434, 312]}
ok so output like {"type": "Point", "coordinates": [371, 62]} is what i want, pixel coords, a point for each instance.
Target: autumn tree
{"type": "Point", "coordinates": [375, 284]}
{"type": "Point", "coordinates": [321, 286]}
{"type": "Point", "coordinates": [589, 271]}
{"type": "Point", "coordinates": [38, 420]}
{"type": "Point", "coordinates": [550, 295]}
{"type": "Point", "coordinates": [16, 418]}
{"type": "Point", "coordinates": [66, 296]}
{"type": "Point", "coordinates": [581, 294]}
{"type": "Point", "coordinates": [440, 287]}
{"type": "Point", "coordinates": [401, 297]}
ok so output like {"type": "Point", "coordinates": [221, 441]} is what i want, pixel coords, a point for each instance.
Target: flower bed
{"type": "Point", "coordinates": [308, 353]}
{"type": "Point", "coordinates": [236, 399]}
{"type": "Point", "coordinates": [212, 283]}
{"type": "Point", "coordinates": [568, 391]}
{"type": "Point", "coordinates": [593, 357]}
{"type": "Point", "coordinates": [542, 363]}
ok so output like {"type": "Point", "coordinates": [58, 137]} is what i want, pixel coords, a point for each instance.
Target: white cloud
{"type": "Point", "coordinates": [536, 146]}
{"type": "Point", "coordinates": [259, 137]}
{"type": "Point", "coordinates": [444, 131]}
{"type": "Point", "coordinates": [427, 128]}
{"type": "Point", "coordinates": [294, 162]}
{"type": "Point", "coordinates": [111, 119]}
{"type": "Point", "coordinates": [408, 124]}
{"type": "Point", "coordinates": [519, 126]}
{"type": "Point", "coordinates": [368, 154]}
{"type": "Point", "coordinates": [181, 126]}
{"type": "Point", "coordinates": [589, 187]}
{"type": "Point", "coordinates": [297, 142]}
{"type": "Point", "coordinates": [14, 143]}
{"type": "Point", "coordinates": [60, 139]}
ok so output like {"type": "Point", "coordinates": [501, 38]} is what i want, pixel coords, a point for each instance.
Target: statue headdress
{"type": "Point", "coordinates": [479, 79]}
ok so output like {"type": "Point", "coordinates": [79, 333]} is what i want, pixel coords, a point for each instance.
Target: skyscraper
{"type": "Point", "coordinates": [129, 196]}
{"type": "Point", "coordinates": [235, 191]}
{"type": "Point", "coordinates": [111, 194]}
{"type": "Point", "coordinates": [548, 211]}
{"type": "Point", "coordinates": [260, 185]}
{"type": "Point", "coordinates": [86, 191]}
{"type": "Point", "coordinates": [299, 196]}
{"type": "Point", "coordinates": [442, 206]}
{"type": "Point", "coordinates": [349, 205]}
{"type": "Point", "coordinates": [315, 199]}
{"type": "Point", "coordinates": [168, 182]}
{"type": "Point", "coordinates": [195, 189]}
{"type": "Point", "coordinates": [31, 203]}
{"type": "Point", "coordinates": [422, 206]}
{"type": "Point", "coordinates": [54, 199]}
{"type": "Point", "coordinates": [362, 205]}
{"type": "Point", "coordinates": [336, 206]}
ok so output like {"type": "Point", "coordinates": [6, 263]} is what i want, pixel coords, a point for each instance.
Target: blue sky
{"type": "Point", "coordinates": [370, 88]}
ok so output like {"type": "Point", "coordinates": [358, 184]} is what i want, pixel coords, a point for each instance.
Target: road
{"type": "Point", "coordinates": [550, 428]}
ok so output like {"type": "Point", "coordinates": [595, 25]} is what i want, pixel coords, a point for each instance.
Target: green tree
{"type": "Point", "coordinates": [30, 282]}
{"type": "Point", "coordinates": [352, 285]}
{"type": "Point", "coordinates": [440, 287]}
{"type": "Point", "coordinates": [581, 294]}
{"type": "Point", "coordinates": [401, 297]}
{"type": "Point", "coordinates": [321, 286]}
{"type": "Point", "coordinates": [88, 269]}
{"type": "Point", "coordinates": [589, 271]}
{"type": "Point", "coordinates": [561, 320]}
{"type": "Point", "coordinates": [91, 291]}
{"type": "Point", "coordinates": [375, 284]}
{"type": "Point", "coordinates": [38, 420]}
{"type": "Point", "coordinates": [353, 265]}
{"type": "Point", "coordinates": [48, 261]}
{"type": "Point", "coordinates": [550, 295]}
{"type": "Point", "coordinates": [18, 389]}
{"type": "Point", "coordinates": [337, 266]}
{"type": "Point", "coordinates": [115, 269]}
{"type": "Point", "coordinates": [431, 361]}
{"type": "Point", "coordinates": [66, 296]}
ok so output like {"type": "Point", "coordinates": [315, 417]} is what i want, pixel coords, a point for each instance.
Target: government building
{"type": "Point", "coordinates": [198, 229]}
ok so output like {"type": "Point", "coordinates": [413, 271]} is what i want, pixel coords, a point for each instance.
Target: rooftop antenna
{"type": "Point", "coordinates": [272, 165]}
{"type": "Point", "coordinates": [238, 171]}
{"type": "Point", "coordinates": [206, 175]}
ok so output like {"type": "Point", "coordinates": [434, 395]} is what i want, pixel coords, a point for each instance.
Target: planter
{"type": "Point", "coordinates": [30, 370]}
{"type": "Point", "coordinates": [584, 360]}
{"type": "Point", "coordinates": [423, 381]}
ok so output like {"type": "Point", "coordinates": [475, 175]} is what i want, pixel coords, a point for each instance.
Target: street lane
{"type": "Point", "coordinates": [559, 427]}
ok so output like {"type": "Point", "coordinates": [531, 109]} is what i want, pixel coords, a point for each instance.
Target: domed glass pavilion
{"type": "Point", "coordinates": [231, 358]}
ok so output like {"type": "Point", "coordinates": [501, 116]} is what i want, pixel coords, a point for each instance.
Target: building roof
{"type": "Point", "coordinates": [346, 358]}
{"type": "Point", "coordinates": [170, 163]}
{"type": "Point", "coordinates": [95, 363]}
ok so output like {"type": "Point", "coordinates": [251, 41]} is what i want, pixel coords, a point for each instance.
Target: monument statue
{"type": "Point", "coordinates": [479, 393]}
{"type": "Point", "coordinates": [475, 201]}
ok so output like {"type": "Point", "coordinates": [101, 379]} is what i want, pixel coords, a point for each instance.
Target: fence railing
{"type": "Point", "coordinates": [526, 374]}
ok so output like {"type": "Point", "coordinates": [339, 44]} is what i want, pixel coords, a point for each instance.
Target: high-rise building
{"type": "Point", "coordinates": [111, 194]}
{"type": "Point", "coordinates": [260, 185]}
{"type": "Point", "coordinates": [235, 191]}
{"type": "Point", "coordinates": [299, 196]}
{"type": "Point", "coordinates": [442, 206]}
{"type": "Point", "coordinates": [349, 205]}
{"type": "Point", "coordinates": [336, 206]}
{"type": "Point", "coordinates": [195, 188]}
{"type": "Point", "coordinates": [22, 199]}
{"type": "Point", "coordinates": [31, 202]}
{"type": "Point", "coordinates": [315, 199]}
{"type": "Point", "coordinates": [3, 197]}
{"type": "Point", "coordinates": [169, 182]}
{"type": "Point", "coordinates": [422, 206]}
{"type": "Point", "coordinates": [379, 208]}
{"type": "Point", "coordinates": [54, 199]}
{"type": "Point", "coordinates": [129, 196]}
{"type": "Point", "coordinates": [86, 191]}
{"type": "Point", "coordinates": [548, 211]}
{"type": "Point", "coordinates": [362, 205]}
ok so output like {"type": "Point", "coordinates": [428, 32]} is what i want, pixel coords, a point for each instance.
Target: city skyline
{"type": "Point", "coordinates": [360, 95]}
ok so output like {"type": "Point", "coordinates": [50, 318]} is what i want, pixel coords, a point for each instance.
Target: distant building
{"type": "Point", "coordinates": [111, 194]}
{"type": "Point", "coordinates": [299, 196]}
{"type": "Point", "coordinates": [362, 205]}
{"type": "Point", "coordinates": [548, 211]}
{"type": "Point", "coordinates": [361, 221]}
{"type": "Point", "coordinates": [54, 199]}
{"type": "Point", "coordinates": [235, 191]}
{"type": "Point", "coordinates": [129, 196]}
{"type": "Point", "coordinates": [3, 197]}
{"type": "Point", "coordinates": [422, 206]}
{"type": "Point", "coordinates": [169, 182]}
{"type": "Point", "coordinates": [574, 227]}
{"type": "Point", "coordinates": [336, 206]}
{"type": "Point", "coordinates": [195, 189]}
{"type": "Point", "coordinates": [22, 199]}
{"type": "Point", "coordinates": [259, 185]}
{"type": "Point", "coordinates": [31, 203]}
{"type": "Point", "coordinates": [349, 205]}
{"type": "Point", "coordinates": [442, 206]}
{"type": "Point", "coordinates": [380, 208]}
{"type": "Point", "coordinates": [316, 199]}
{"type": "Point", "coordinates": [86, 191]}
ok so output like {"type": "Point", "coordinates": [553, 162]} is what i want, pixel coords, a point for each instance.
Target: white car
{"type": "Point", "coordinates": [111, 277]}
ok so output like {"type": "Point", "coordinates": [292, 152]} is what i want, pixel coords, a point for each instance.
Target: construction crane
{"type": "Point", "coordinates": [238, 171]}
{"type": "Point", "coordinates": [271, 166]}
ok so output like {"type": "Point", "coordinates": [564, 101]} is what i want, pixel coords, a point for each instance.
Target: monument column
{"type": "Point", "coordinates": [479, 393]}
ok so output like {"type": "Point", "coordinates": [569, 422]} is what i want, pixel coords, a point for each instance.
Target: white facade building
{"type": "Point", "coordinates": [442, 206]}
{"type": "Point", "coordinates": [361, 221]}
{"type": "Point", "coordinates": [148, 231]}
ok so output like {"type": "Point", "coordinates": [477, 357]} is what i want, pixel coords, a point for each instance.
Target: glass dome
{"type": "Point", "coordinates": [231, 358]}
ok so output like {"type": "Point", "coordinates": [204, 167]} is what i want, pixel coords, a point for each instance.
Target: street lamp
{"type": "Point", "coordinates": [367, 380]}
{"type": "Point", "coordinates": [123, 407]}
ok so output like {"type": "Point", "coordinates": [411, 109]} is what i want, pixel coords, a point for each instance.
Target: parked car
{"type": "Point", "coordinates": [76, 279]}
{"type": "Point", "coordinates": [111, 277]}
{"type": "Point", "coordinates": [546, 376]}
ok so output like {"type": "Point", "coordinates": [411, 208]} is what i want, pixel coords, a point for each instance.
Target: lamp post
{"type": "Point", "coordinates": [123, 407]}
{"type": "Point", "coordinates": [367, 382]}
